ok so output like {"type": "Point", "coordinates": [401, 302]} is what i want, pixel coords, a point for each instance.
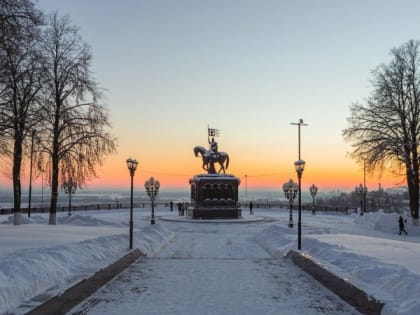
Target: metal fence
{"type": "Point", "coordinates": [305, 207]}
{"type": "Point", "coordinates": [99, 206]}
{"type": "Point", "coordinates": [126, 205]}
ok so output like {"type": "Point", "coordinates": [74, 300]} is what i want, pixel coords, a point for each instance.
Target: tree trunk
{"type": "Point", "coordinates": [413, 193]}
{"type": "Point", "coordinates": [17, 193]}
{"type": "Point", "coordinates": [55, 162]}
{"type": "Point", "coordinates": [54, 190]}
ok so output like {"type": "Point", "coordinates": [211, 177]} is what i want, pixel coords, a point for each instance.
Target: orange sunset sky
{"type": "Point", "coordinates": [249, 68]}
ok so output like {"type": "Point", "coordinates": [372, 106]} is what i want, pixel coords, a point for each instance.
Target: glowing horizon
{"type": "Point", "coordinates": [114, 175]}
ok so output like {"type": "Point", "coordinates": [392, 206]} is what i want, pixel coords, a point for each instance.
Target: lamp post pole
{"type": "Point", "coordinates": [152, 189]}
{"type": "Point", "coordinates": [290, 190]}
{"type": "Point", "coordinates": [299, 165]}
{"type": "Point", "coordinates": [299, 124]}
{"type": "Point", "coordinates": [69, 188]}
{"type": "Point", "coordinates": [69, 192]}
{"type": "Point", "coordinates": [132, 166]}
{"type": "Point", "coordinates": [300, 211]}
{"type": "Point", "coordinates": [364, 185]}
{"type": "Point", "coordinates": [42, 189]}
{"type": "Point", "coordinates": [313, 190]}
{"type": "Point", "coordinates": [30, 173]}
{"type": "Point", "coordinates": [246, 188]}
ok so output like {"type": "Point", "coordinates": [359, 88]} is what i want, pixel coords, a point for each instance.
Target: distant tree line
{"type": "Point", "coordinates": [375, 200]}
{"type": "Point", "coordinates": [50, 104]}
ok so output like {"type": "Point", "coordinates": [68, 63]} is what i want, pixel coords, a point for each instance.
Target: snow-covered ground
{"type": "Point", "coordinates": [38, 260]}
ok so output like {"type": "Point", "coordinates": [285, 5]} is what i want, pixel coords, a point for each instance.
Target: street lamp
{"type": "Point", "coordinates": [69, 188]}
{"type": "Point", "coordinates": [313, 190]}
{"type": "Point", "coordinates": [361, 192]}
{"type": "Point", "coordinates": [290, 189]}
{"type": "Point", "coordinates": [132, 166]}
{"type": "Point", "coordinates": [152, 189]}
{"type": "Point", "coordinates": [300, 166]}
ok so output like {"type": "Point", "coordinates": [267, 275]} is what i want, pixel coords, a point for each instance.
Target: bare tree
{"type": "Point", "coordinates": [75, 133]}
{"type": "Point", "coordinates": [15, 16]}
{"type": "Point", "coordinates": [385, 132]}
{"type": "Point", "coordinates": [19, 84]}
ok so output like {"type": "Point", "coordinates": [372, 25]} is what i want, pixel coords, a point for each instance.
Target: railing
{"type": "Point", "coordinates": [305, 207]}
{"type": "Point", "coordinates": [99, 206]}
{"type": "Point", "coordinates": [126, 205]}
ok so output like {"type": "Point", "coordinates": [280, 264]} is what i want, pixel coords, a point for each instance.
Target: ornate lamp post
{"type": "Point", "coordinates": [313, 190]}
{"type": "Point", "coordinates": [69, 187]}
{"type": "Point", "coordinates": [152, 189]}
{"type": "Point", "coordinates": [361, 192]}
{"type": "Point", "coordinates": [290, 189]}
{"type": "Point", "coordinates": [132, 166]}
{"type": "Point", "coordinates": [300, 166]}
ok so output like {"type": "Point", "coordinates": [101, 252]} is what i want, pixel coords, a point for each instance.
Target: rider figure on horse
{"type": "Point", "coordinates": [212, 155]}
{"type": "Point", "coordinates": [213, 148]}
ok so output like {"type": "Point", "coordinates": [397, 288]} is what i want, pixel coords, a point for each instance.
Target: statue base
{"type": "Point", "coordinates": [214, 196]}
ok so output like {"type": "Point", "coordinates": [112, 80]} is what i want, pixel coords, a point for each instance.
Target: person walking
{"type": "Point", "coordinates": [251, 205]}
{"type": "Point", "coordinates": [401, 222]}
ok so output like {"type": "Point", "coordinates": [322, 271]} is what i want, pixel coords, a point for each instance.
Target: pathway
{"type": "Point", "coordinates": [213, 269]}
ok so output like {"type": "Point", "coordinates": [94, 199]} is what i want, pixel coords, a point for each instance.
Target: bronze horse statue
{"type": "Point", "coordinates": [210, 158]}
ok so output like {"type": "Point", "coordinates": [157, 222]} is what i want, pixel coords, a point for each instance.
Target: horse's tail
{"type": "Point", "coordinates": [227, 161]}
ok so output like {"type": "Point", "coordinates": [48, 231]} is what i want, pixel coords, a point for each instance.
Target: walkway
{"type": "Point", "coordinates": [213, 269]}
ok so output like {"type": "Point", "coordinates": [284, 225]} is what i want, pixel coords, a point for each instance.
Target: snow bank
{"type": "Point", "coordinates": [23, 220]}
{"type": "Point", "coordinates": [84, 220]}
{"type": "Point", "coordinates": [29, 272]}
{"type": "Point", "coordinates": [26, 273]}
{"type": "Point", "coordinates": [392, 284]}
{"type": "Point", "coordinates": [386, 222]}
{"type": "Point", "coordinates": [153, 238]}
{"type": "Point", "coordinates": [343, 254]}
{"type": "Point", "coordinates": [277, 240]}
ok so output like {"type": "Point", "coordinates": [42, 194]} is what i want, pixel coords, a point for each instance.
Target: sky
{"type": "Point", "coordinates": [170, 69]}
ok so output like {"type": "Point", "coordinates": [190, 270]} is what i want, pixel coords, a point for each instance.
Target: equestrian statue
{"type": "Point", "coordinates": [212, 156]}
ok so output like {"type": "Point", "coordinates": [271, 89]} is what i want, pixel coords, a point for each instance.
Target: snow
{"type": "Point", "coordinates": [40, 260]}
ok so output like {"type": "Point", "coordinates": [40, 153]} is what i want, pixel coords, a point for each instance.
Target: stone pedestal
{"type": "Point", "coordinates": [214, 196]}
